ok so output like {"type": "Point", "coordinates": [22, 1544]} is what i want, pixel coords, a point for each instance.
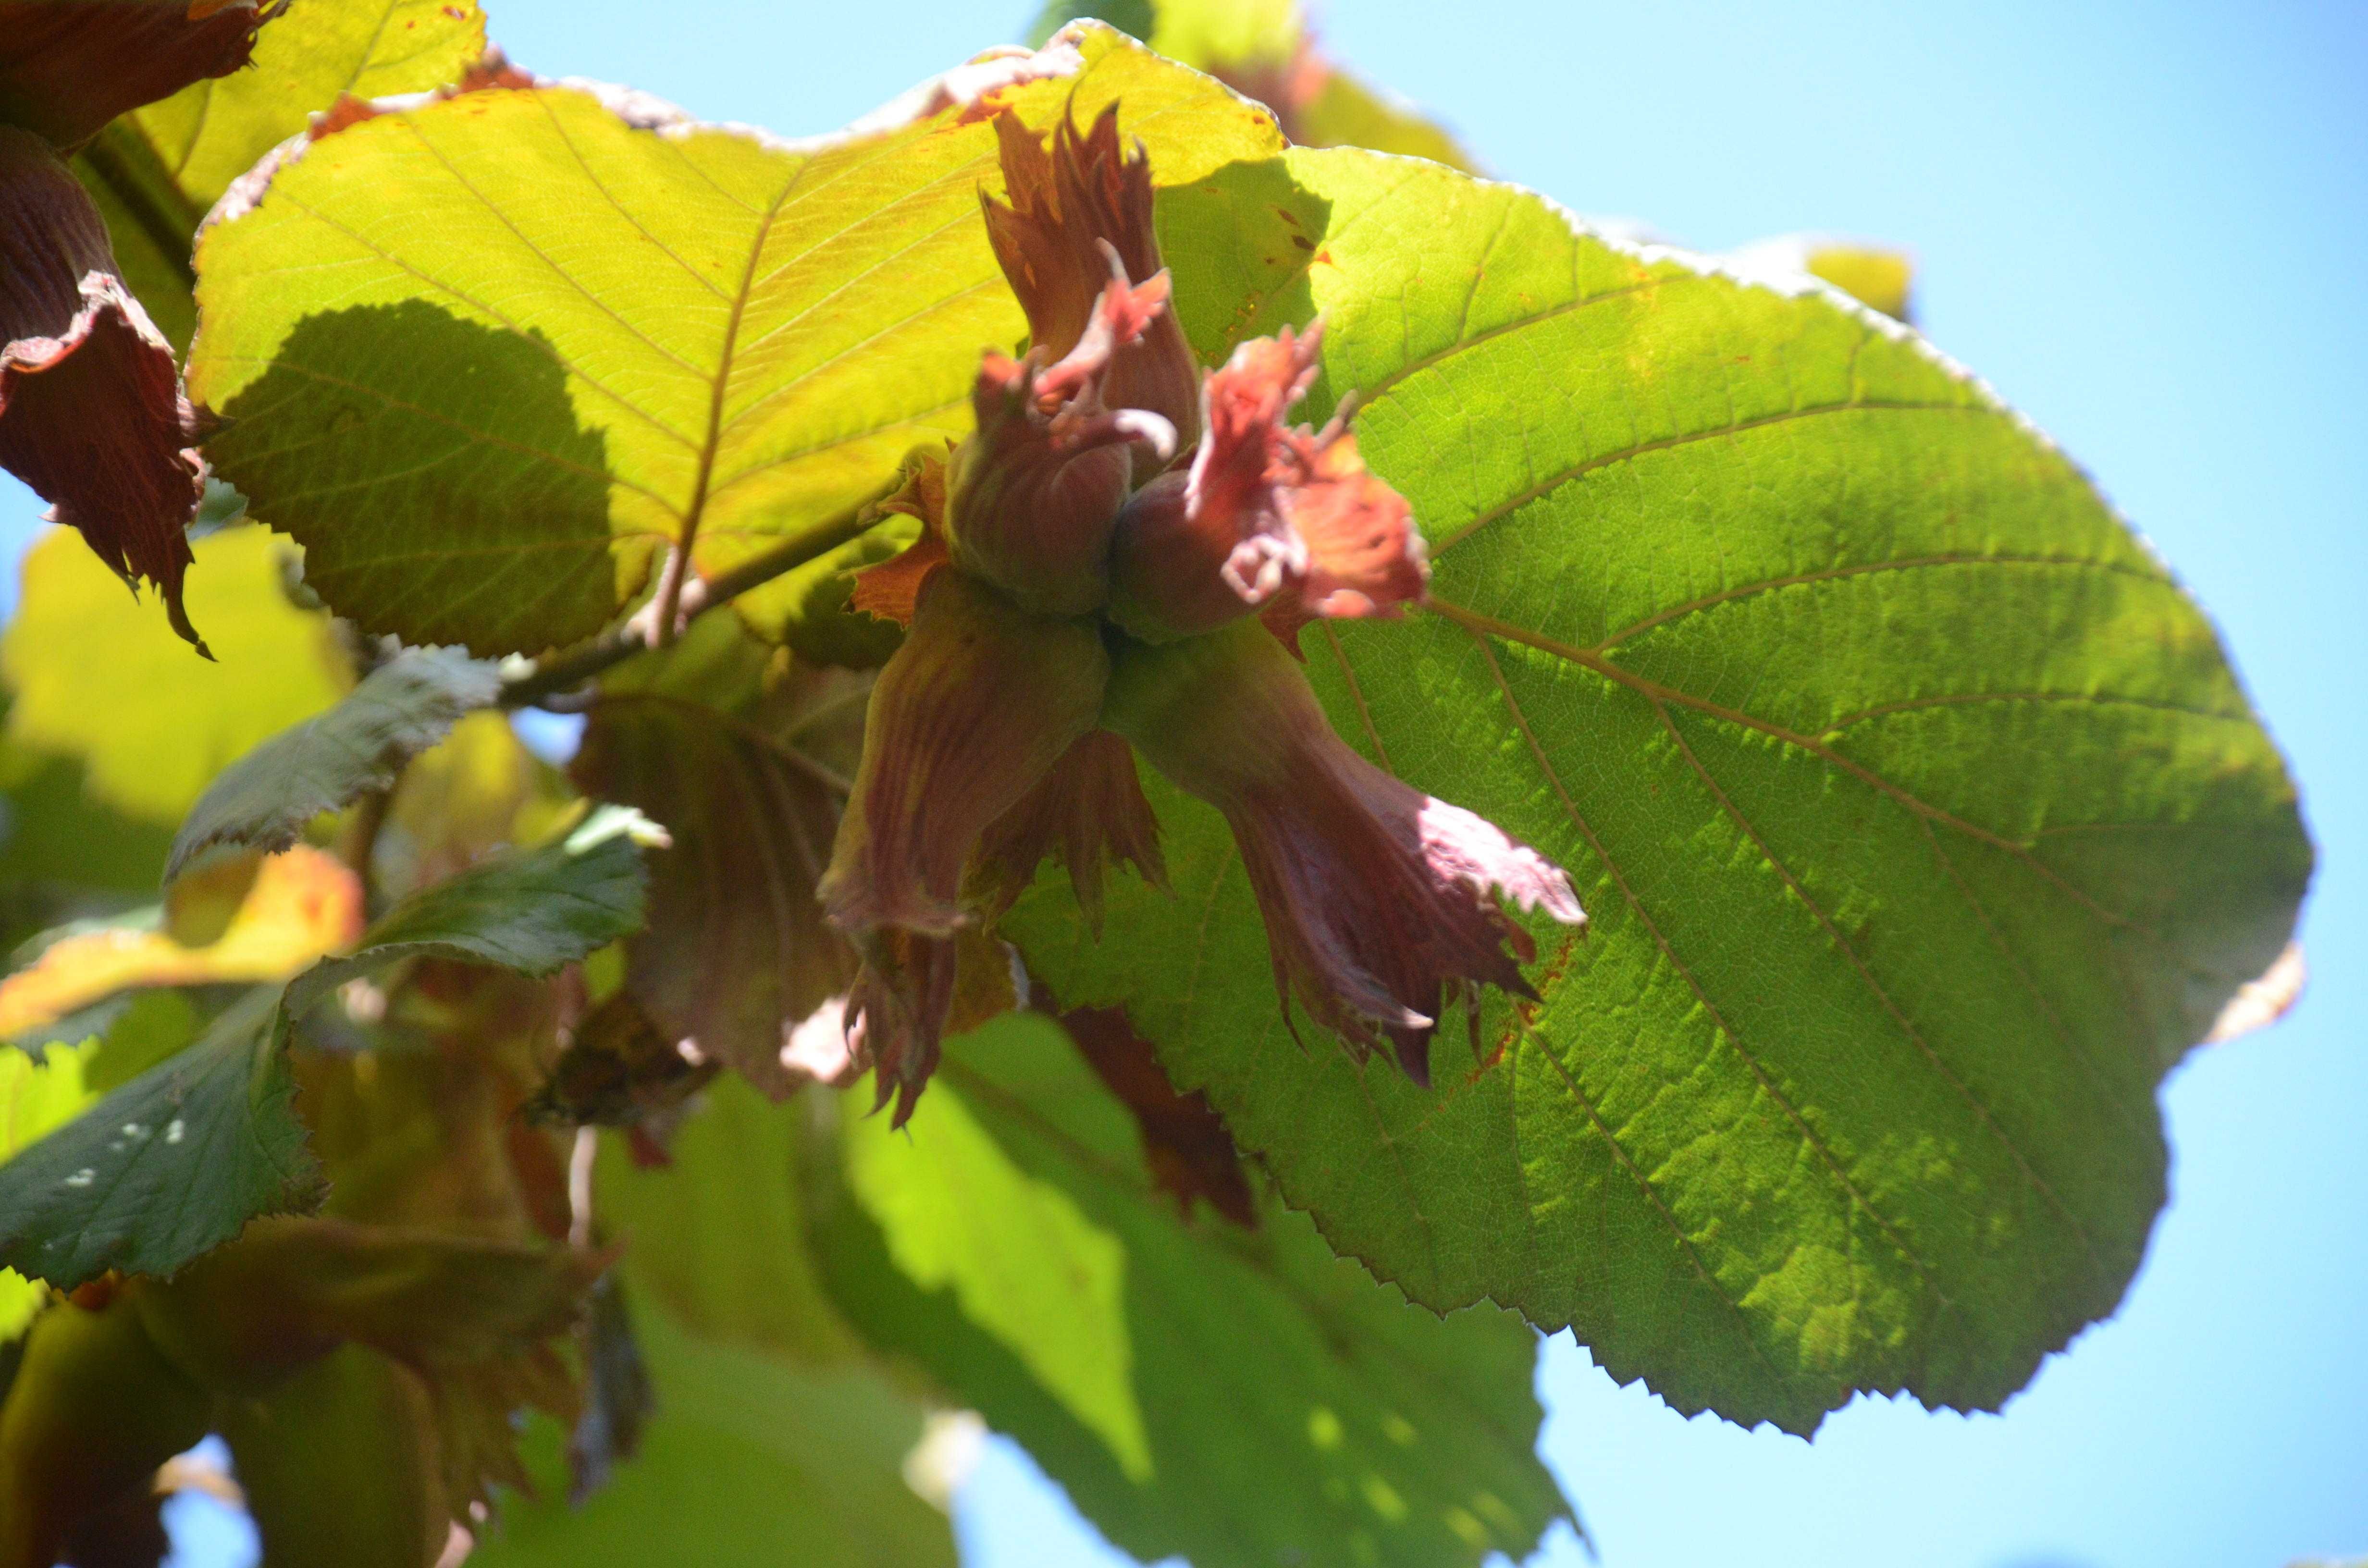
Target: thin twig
{"type": "Point", "coordinates": [564, 671]}
{"type": "Point", "coordinates": [361, 843]}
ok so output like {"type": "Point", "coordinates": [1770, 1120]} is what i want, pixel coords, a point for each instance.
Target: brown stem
{"type": "Point", "coordinates": [567, 670]}
{"type": "Point", "coordinates": [361, 843]}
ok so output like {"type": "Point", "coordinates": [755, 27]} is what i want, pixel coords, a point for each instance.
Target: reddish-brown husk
{"type": "Point", "coordinates": [1186, 1144]}
{"type": "Point", "coordinates": [1089, 810]}
{"type": "Point", "coordinates": [1270, 518]}
{"type": "Point", "coordinates": [67, 69]}
{"type": "Point", "coordinates": [1379, 900]}
{"type": "Point", "coordinates": [92, 414]}
{"type": "Point", "coordinates": [964, 720]}
{"type": "Point", "coordinates": [1064, 204]}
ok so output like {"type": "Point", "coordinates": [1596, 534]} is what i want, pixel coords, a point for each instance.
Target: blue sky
{"type": "Point", "coordinates": [2145, 226]}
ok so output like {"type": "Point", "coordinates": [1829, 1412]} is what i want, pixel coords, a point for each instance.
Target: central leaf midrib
{"type": "Point", "coordinates": [722, 378]}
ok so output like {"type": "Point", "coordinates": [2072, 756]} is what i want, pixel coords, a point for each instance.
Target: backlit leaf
{"type": "Point", "coordinates": [212, 131]}
{"type": "Point", "coordinates": [1225, 1395]}
{"type": "Point", "coordinates": [37, 1094]}
{"type": "Point", "coordinates": [172, 1163]}
{"type": "Point", "coordinates": [1922, 822]}
{"type": "Point", "coordinates": [1336, 110]}
{"type": "Point", "coordinates": [1872, 275]}
{"type": "Point", "coordinates": [155, 171]}
{"type": "Point", "coordinates": [99, 680]}
{"type": "Point", "coordinates": [1266, 50]}
{"type": "Point", "coordinates": [749, 1462]}
{"type": "Point", "coordinates": [359, 746]}
{"type": "Point", "coordinates": [772, 1440]}
{"type": "Point", "coordinates": [304, 904]}
{"type": "Point", "coordinates": [540, 339]}
{"type": "Point", "coordinates": [718, 1236]}
{"type": "Point", "coordinates": [478, 791]}
{"type": "Point", "coordinates": [61, 851]}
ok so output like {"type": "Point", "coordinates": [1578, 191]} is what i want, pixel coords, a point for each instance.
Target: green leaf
{"type": "Point", "coordinates": [153, 172]}
{"type": "Point", "coordinates": [1133, 17]}
{"type": "Point", "coordinates": [1344, 112]}
{"type": "Point", "coordinates": [400, 709]}
{"type": "Point", "coordinates": [1229, 34]}
{"type": "Point", "coordinates": [774, 1439]}
{"type": "Point", "coordinates": [532, 910]}
{"type": "Point", "coordinates": [1922, 821]}
{"type": "Point", "coordinates": [35, 1095]}
{"type": "Point", "coordinates": [59, 846]}
{"type": "Point", "coordinates": [101, 681]}
{"type": "Point", "coordinates": [172, 1163]}
{"type": "Point", "coordinates": [1872, 275]}
{"type": "Point", "coordinates": [329, 1459]}
{"type": "Point", "coordinates": [807, 609]}
{"type": "Point", "coordinates": [717, 1237]}
{"type": "Point", "coordinates": [149, 223]}
{"type": "Point", "coordinates": [749, 1462]}
{"type": "Point", "coordinates": [1263, 49]}
{"type": "Point", "coordinates": [1201, 1391]}
{"type": "Point", "coordinates": [538, 343]}
{"type": "Point", "coordinates": [212, 131]}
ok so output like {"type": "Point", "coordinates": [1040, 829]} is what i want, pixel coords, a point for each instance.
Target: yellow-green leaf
{"type": "Point", "coordinates": [153, 172]}
{"type": "Point", "coordinates": [539, 337]}
{"type": "Point", "coordinates": [1201, 1390]}
{"type": "Point", "coordinates": [100, 680]}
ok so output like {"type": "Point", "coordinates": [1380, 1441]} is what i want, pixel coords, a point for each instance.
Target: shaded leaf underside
{"type": "Point", "coordinates": [1922, 822]}
{"type": "Point", "coordinates": [737, 952]}
{"type": "Point", "coordinates": [532, 911]}
{"type": "Point", "coordinates": [400, 709]}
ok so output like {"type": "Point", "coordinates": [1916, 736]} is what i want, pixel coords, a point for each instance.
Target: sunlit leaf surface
{"type": "Point", "coordinates": [155, 171]}
{"type": "Point", "coordinates": [100, 680]}
{"type": "Point", "coordinates": [539, 337]}
{"type": "Point", "coordinates": [1922, 822]}
{"type": "Point", "coordinates": [1201, 1390]}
